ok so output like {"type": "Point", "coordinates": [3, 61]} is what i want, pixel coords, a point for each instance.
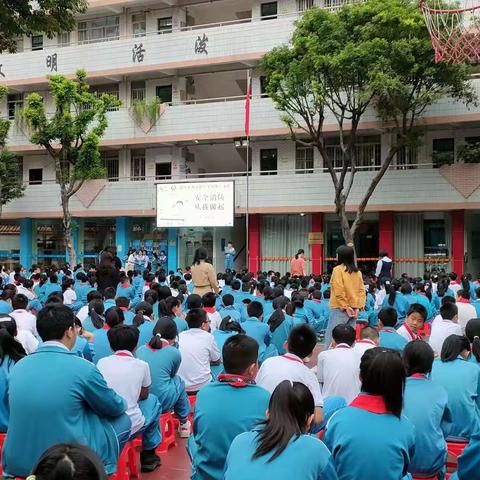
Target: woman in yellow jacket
{"type": "Point", "coordinates": [203, 274]}
{"type": "Point", "coordinates": [347, 292]}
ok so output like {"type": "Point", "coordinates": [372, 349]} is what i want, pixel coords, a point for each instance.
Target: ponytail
{"type": "Point", "coordinates": [392, 293]}
{"type": "Point", "coordinates": [8, 344]}
{"type": "Point", "coordinates": [165, 329]}
{"type": "Point", "coordinates": [143, 309]}
{"type": "Point", "coordinates": [276, 319]}
{"type": "Point", "coordinates": [114, 316]}
{"type": "Point", "coordinates": [466, 287]}
{"type": "Point", "coordinates": [472, 332]}
{"type": "Point", "coordinates": [476, 348]}
{"type": "Point", "coordinates": [95, 310]}
{"type": "Point", "coordinates": [166, 306]}
{"type": "Point", "coordinates": [97, 321]}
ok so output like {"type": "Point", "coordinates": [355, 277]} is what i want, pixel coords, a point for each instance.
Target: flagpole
{"type": "Point", "coordinates": [247, 133]}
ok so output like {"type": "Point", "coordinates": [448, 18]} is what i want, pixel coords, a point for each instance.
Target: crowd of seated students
{"type": "Point", "coordinates": [394, 380]}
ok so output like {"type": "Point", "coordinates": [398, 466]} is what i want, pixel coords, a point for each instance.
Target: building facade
{"type": "Point", "coordinates": [195, 56]}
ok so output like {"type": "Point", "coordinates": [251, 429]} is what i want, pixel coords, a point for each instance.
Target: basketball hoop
{"type": "Point", "coordinates": [454, 28]}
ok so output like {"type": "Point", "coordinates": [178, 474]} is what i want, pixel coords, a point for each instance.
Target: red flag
{"type": "Point", "coordinates": [247, 106]}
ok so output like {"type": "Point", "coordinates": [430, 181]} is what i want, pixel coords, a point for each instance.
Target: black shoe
{"type": "Point", "coordinates": [149, 460]}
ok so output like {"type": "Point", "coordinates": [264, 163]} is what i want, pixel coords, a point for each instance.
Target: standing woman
{"type": "Point", "coordinates": [107, 274]}
{"type": "Point", "coordinates": [130, 263]}
{"type": "Point", "coordinates": [297, 265]}
{"type": "Point", "coordinates": [347, 292]}
{"type": "Point", "coordinates": [203, 274]}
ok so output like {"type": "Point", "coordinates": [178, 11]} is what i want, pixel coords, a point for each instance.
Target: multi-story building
{"type": "Point", "coordinates": [195, 56]}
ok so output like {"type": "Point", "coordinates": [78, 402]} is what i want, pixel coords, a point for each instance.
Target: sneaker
{"type": "Point", "coordinates": [149, 460]}
{"type": "Point", "coordinates": [185, 429]}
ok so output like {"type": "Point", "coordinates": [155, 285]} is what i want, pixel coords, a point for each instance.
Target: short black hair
{"type": "Point", "coordinates": [448, 299]}
{"type": "Point", "coordinates": [238, 353]}
{"type": "Point", "coordinates": [208, 300]}
{"type": "Point", "coordinates": [388, 316]}
{"type": "Point", "coordinates": [448, 311]}
{"type": "Point", "coordinates": [196, 317]}
{"type": "Point", "coordinates": [123, 337]}
{"type": "Point", "coordinates": [122, 302]}
{"type": "Point", "coordinates": [109, 293]}
{"type": "Point", "coordinates": [418, 357]}
{"type": "Point", "coordinates": [255, 309]}
{"type": "Point", "coordinates": [19, 301]}
{"type": "Point", "coordinates": [343, 333]}
{"type": "Point", "coordinates": [369, 332]}
{"type": "Point", "coordinates": [418, 308]}
{"type": "Point", "coordinates": [235, 284]}
{"type": "Point", "coordinates": [53, 321]}
{"type": "Point", "coordinates": [94, 295]}
{"type": "Point", "coordinates": [228, 300]}
{"type": "Point", "coordinates": [194, 301]}
{"type": "Point", "coordinates": [302, 341]}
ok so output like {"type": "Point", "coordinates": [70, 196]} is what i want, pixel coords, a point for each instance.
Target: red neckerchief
{"type": "Point", "coordinates": [412, 334]}
{"type": "Point", "coordinates": [237, 381]}
{"type": "Point", "coordinates": [367, 340]}
{"type": "Point", "coordinates": [293, 359]}
{"type": "Point", "coordinates": [146, 284]}
{"type": "Point", "coordinates": [124, 309]}
{"type": "Point", "coordinates": [370, 403]}
{"type": "Point", "coordinates": [418, 375]}
{"type": "Point", "coordinates": [125, 285]}
{"type": "Point", "coordinates": [105, 327]}
{"type": "Point", "coordinates": [316, 300]}
{"type": "Point", "coordinates": [209, 309]}
{"type": "Point", "coordinates": [124, 354]}
{"type": "Point", "coordinates": [164, 344]}
{"type": "Point", "coordinates": [462, 300]}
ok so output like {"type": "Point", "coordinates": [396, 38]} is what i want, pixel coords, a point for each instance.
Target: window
{"type": "Point", "coordinates": [35, 176]}
{"type": "Point", "coordinates": [268, 11]}
{"type": "Point", "coordinates": [334, 4]}
{"type": "Point", "coordinates": [303, 5]}
{"type": "Point", "coordinates": [407, 158]}
{"type": "Point", "coordinates": [111, 164]}
{"type": "Point", "coordinates": [37, 42]}
{"type": "Point", "coordinates": [304, 160]}
{"type": "Point", "coordinates": [63, 39]}
{"type": "Point", "coordinates": [138, 91]}
{"type": "Point", "coordinates": [101, 29]}
{"type": "Point", "coordinates": [14, 104]}
{"type": "Point", "coordinates": [137, 165]}
{"type": "Point", "coordinates": [263, 86]}
{"type": "Point", "coordinates": [368, 152]}
{"type": "Point", "coordinates": [139, 26]}
{"type": "Point", "coordinates": [163, 171]}
{"type": "Point", "coordinates": [443, 151]}
{"type": "Point", "coordinates": [268, 161]}
{"type": "Point", "coordinates": [110, 89]}
{"type": "Point", "coordinates": [434, 238]}
{"type": "Point", "coordinates": [164, 25]}
{"type": "Point", "coordinates": [164, 93]}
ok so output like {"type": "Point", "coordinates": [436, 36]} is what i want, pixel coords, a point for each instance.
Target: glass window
{"type": "Point", "coordinates": [14, 104]}
{"type": "Point", "coordinates": [37, 42]}
{"type": "Point", "coordinates": [368, 152]}
{"type": "Point", "coordinates": [164, 93]}
{"type": "Point", "coordinates": [49, 238]}
{"type": "Point", "coordinates": [303, 5]}
{"type": "Point", "coordinates": [434, 238]}
{"type": "Point", "coordinates": [138, 91]}
{"type": "Point", "coordinates": [304, 160]}
{"type": "Point", "coordinates": [164, 25]}
{"type": "Point", "coordinates": [139, 26]}
{"type": "Point", "coordinates": [98, 233]}
{"type": "Point", "coordinates": [101, 29]}
{"type": "Point", "coordinates": [406, 158]}
{"type": "Point", "coordinates": [137, 165]}
{"type": "Point", "coordinates": [443, 150]}
{"type": "Point", "coordinates": [63, 39]}
{"type": "Point", "coordinates": [9, 243]}
{"type": "Point", "coordinates": [268, 161]}
{"type": "Point", "coordinates": [268, 11]}
{"type": "Point", "coordinates": [110, 89]}
{"type": "Point", "coordinates": [35, 176]}
{"type": "Point", "coordinates": [110, 162]}
{"type": "Point", "coordinates": [163, 171]}
{"type": "Point", "coordinates": [263, 86]}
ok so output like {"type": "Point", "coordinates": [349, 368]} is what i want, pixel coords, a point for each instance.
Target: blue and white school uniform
{"type": "Point", "coordinates": [220, 338]}
{"type": "Point", "coordinates": [304, 458]}
{"type": "Point", "coordinates": [367, 442]}
{"type": "Point", "coordinates": [5, 370]}
{"type": "Point", "coordinates": [400, 305]}
{"type": "Point", "coordinates": [236, 407]}
{"type": "Point", "coordinates": [51, 288]}
{"type": "Point", "coordinates": [320, 312]}
{"type": "Point", "coordinates": [389, 338]}
{"type": "Point", "coordinates": [71, 403]}
{"type": "Point", "coordinates": [82, 290]}
{"type": "Point", "coordinates": [101, 345]}
{"type": "Point", "coordinates": [146, 331]}
{"type": "Point", "coordinates": [261, 333]}
{"type": "Point", "coordinates": [83, 348]}
{"type": "Point", "coordinates": [461, 380]}
{"type": "Point", "coordinates": [267, 307]}
{"type": "Point", "coordinates": [128, 316]}
{"type": "Point", "coordinates": [126, 290]}
{"type": "Point", "coordinates": [476, 304]}
{"type": "Point", "coordinates": [181, 323]}
{"type": "Point", "coordinates": [425, 404]}
{"type": "Point", "coordinates": [281, 333]}
{"type": "Point", "coordinates": [5, 307]}
{"type": "Point", "coordinates": [469, 461]}
{"type": "Point", "coordinates": [303, 315]}
{"type": "Point", "coordinates": [230, 311]}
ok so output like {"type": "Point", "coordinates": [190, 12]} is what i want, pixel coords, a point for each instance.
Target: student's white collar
{"type": "Point", "coordinates": [55, 343]}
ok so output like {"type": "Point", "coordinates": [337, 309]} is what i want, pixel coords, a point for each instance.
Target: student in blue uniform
{"type": "Point", "coordinates": [281, 323]}
{"type": "Point", "coordinates": [164, 358]}
{"type": "Point", "coordinates": [389, 338]}
{"type": "Point", "coordinates": [476, 301]}
{"type": "Point", "coordinates": [82, 287]}
{"type": "Point", "coordinates": [397, 301]}
{"type": "Point", "coordinates": [228, 328]}
{"type": "Point", "coordinates": [95, 319]}
{"type": "Point", "coordinates": [461, 380]}
{"type": "Point", "coordinates": [68, 398]}
{"type": "Point", "coordinates": [267, 300]}
{"type": "Point", "coordinates": [123, 303]}
{"type": "Point", "coordinates": [472, 332]}
{"type": "Point", "coordinates": [101, 345]}
{"type": "Point", "coordinates": [255, 328]}
{"type": "Point", "coordinates": [6, 299]}
{"type": "Point", "coordinates": [109, 297]}
{"type": "Point", "coordinates": [125, 289]}
{"type": "Point", "coordinates": [425, 404]}
{"type": "Point", "coordinates": [84, 344]}
{"type": "Point", "coordinates": [302, 314]}
{"type": "Point", "coordinates": [281, 448]}
{"type": "Point", "coordinates": [52, 286]}
{"type": "Point", "coordinates": [469, 461]}
{"type": "Point", "coordinates": [172, 307]}
{"type": "Point", "coordinates": [144, 321]}
{"type": "Point", "coordinates": [11, 351]}
{"type": "Point", "coordinates": [370, 439]}
{"type": "Point", "coordinates": [228, 309]}
{"type": "Point", "coordinates": [225, 408]}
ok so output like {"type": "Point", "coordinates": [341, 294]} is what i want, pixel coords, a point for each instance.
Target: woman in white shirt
{"type": "Point", "coordinates": [466, 310]}
{"type": "Point", "coordinates": [69, 295]}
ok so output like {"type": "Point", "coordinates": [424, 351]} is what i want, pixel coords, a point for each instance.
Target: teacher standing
{"type": "Point", "coordinates": [297, 265]}
{"type": "Point", "coordinates": [203, 274]}
{"type": "Point", "coordinates": [347, 292]}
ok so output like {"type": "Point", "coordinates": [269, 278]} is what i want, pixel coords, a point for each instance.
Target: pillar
{"type": "Point", "coordinates": [386, 225]}
{"type": "Point", "coordinates": [122, 235]}
{"type": "Point", "coordinates": [254, 242]}
{"type": "Point", "coordinates": [172, 259]}
{"type": "Point", "coordinates": [458, 241]}
{"type": "Point", "coordinates": [317, 249]}
{"type": "Point", "coordinates": [26, 239]}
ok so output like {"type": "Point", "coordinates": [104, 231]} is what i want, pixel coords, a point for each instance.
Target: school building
{"type": "Point", "coordinates": [195, 56]}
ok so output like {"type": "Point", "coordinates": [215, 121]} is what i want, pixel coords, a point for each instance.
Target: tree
{"type": "Point", "coordinates": [375, 55]}
{"type": "Point", "coordinates": [11, 185]}
{"type": "Point", "coordinates": [27, 17]}
{"type": "Point", "coordinates": [71, 136]}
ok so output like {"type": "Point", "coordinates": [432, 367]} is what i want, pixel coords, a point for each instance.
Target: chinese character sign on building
{"type": "Point", "coordinates": [195, 204]}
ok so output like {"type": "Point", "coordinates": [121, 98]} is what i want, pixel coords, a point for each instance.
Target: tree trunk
{"type": "Point", "coordinates": [67, 227]}
{"type": "Point", "coordinates": [344, 223]}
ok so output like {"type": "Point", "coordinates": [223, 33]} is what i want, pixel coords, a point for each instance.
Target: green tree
{"type": "Point", "coordinates": [11, 185]}
{"type": "Point", "coordinates": [27, 17]}
{"type": "Point", "coordinates": [371, 56]}
{"type": "Point", "coordinates": [71, 136]}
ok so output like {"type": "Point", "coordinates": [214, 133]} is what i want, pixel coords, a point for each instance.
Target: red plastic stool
{"type": "Point", "coordinates": [455, 449]}
{"type": "Point", "coordinates": [3, 436]}
{"type": "Point", "coordinates": [128, 465]}
{"type": "Point", "coordinates": [167, 428]}
{"type": "Point", "coordinates": [192, 399]}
